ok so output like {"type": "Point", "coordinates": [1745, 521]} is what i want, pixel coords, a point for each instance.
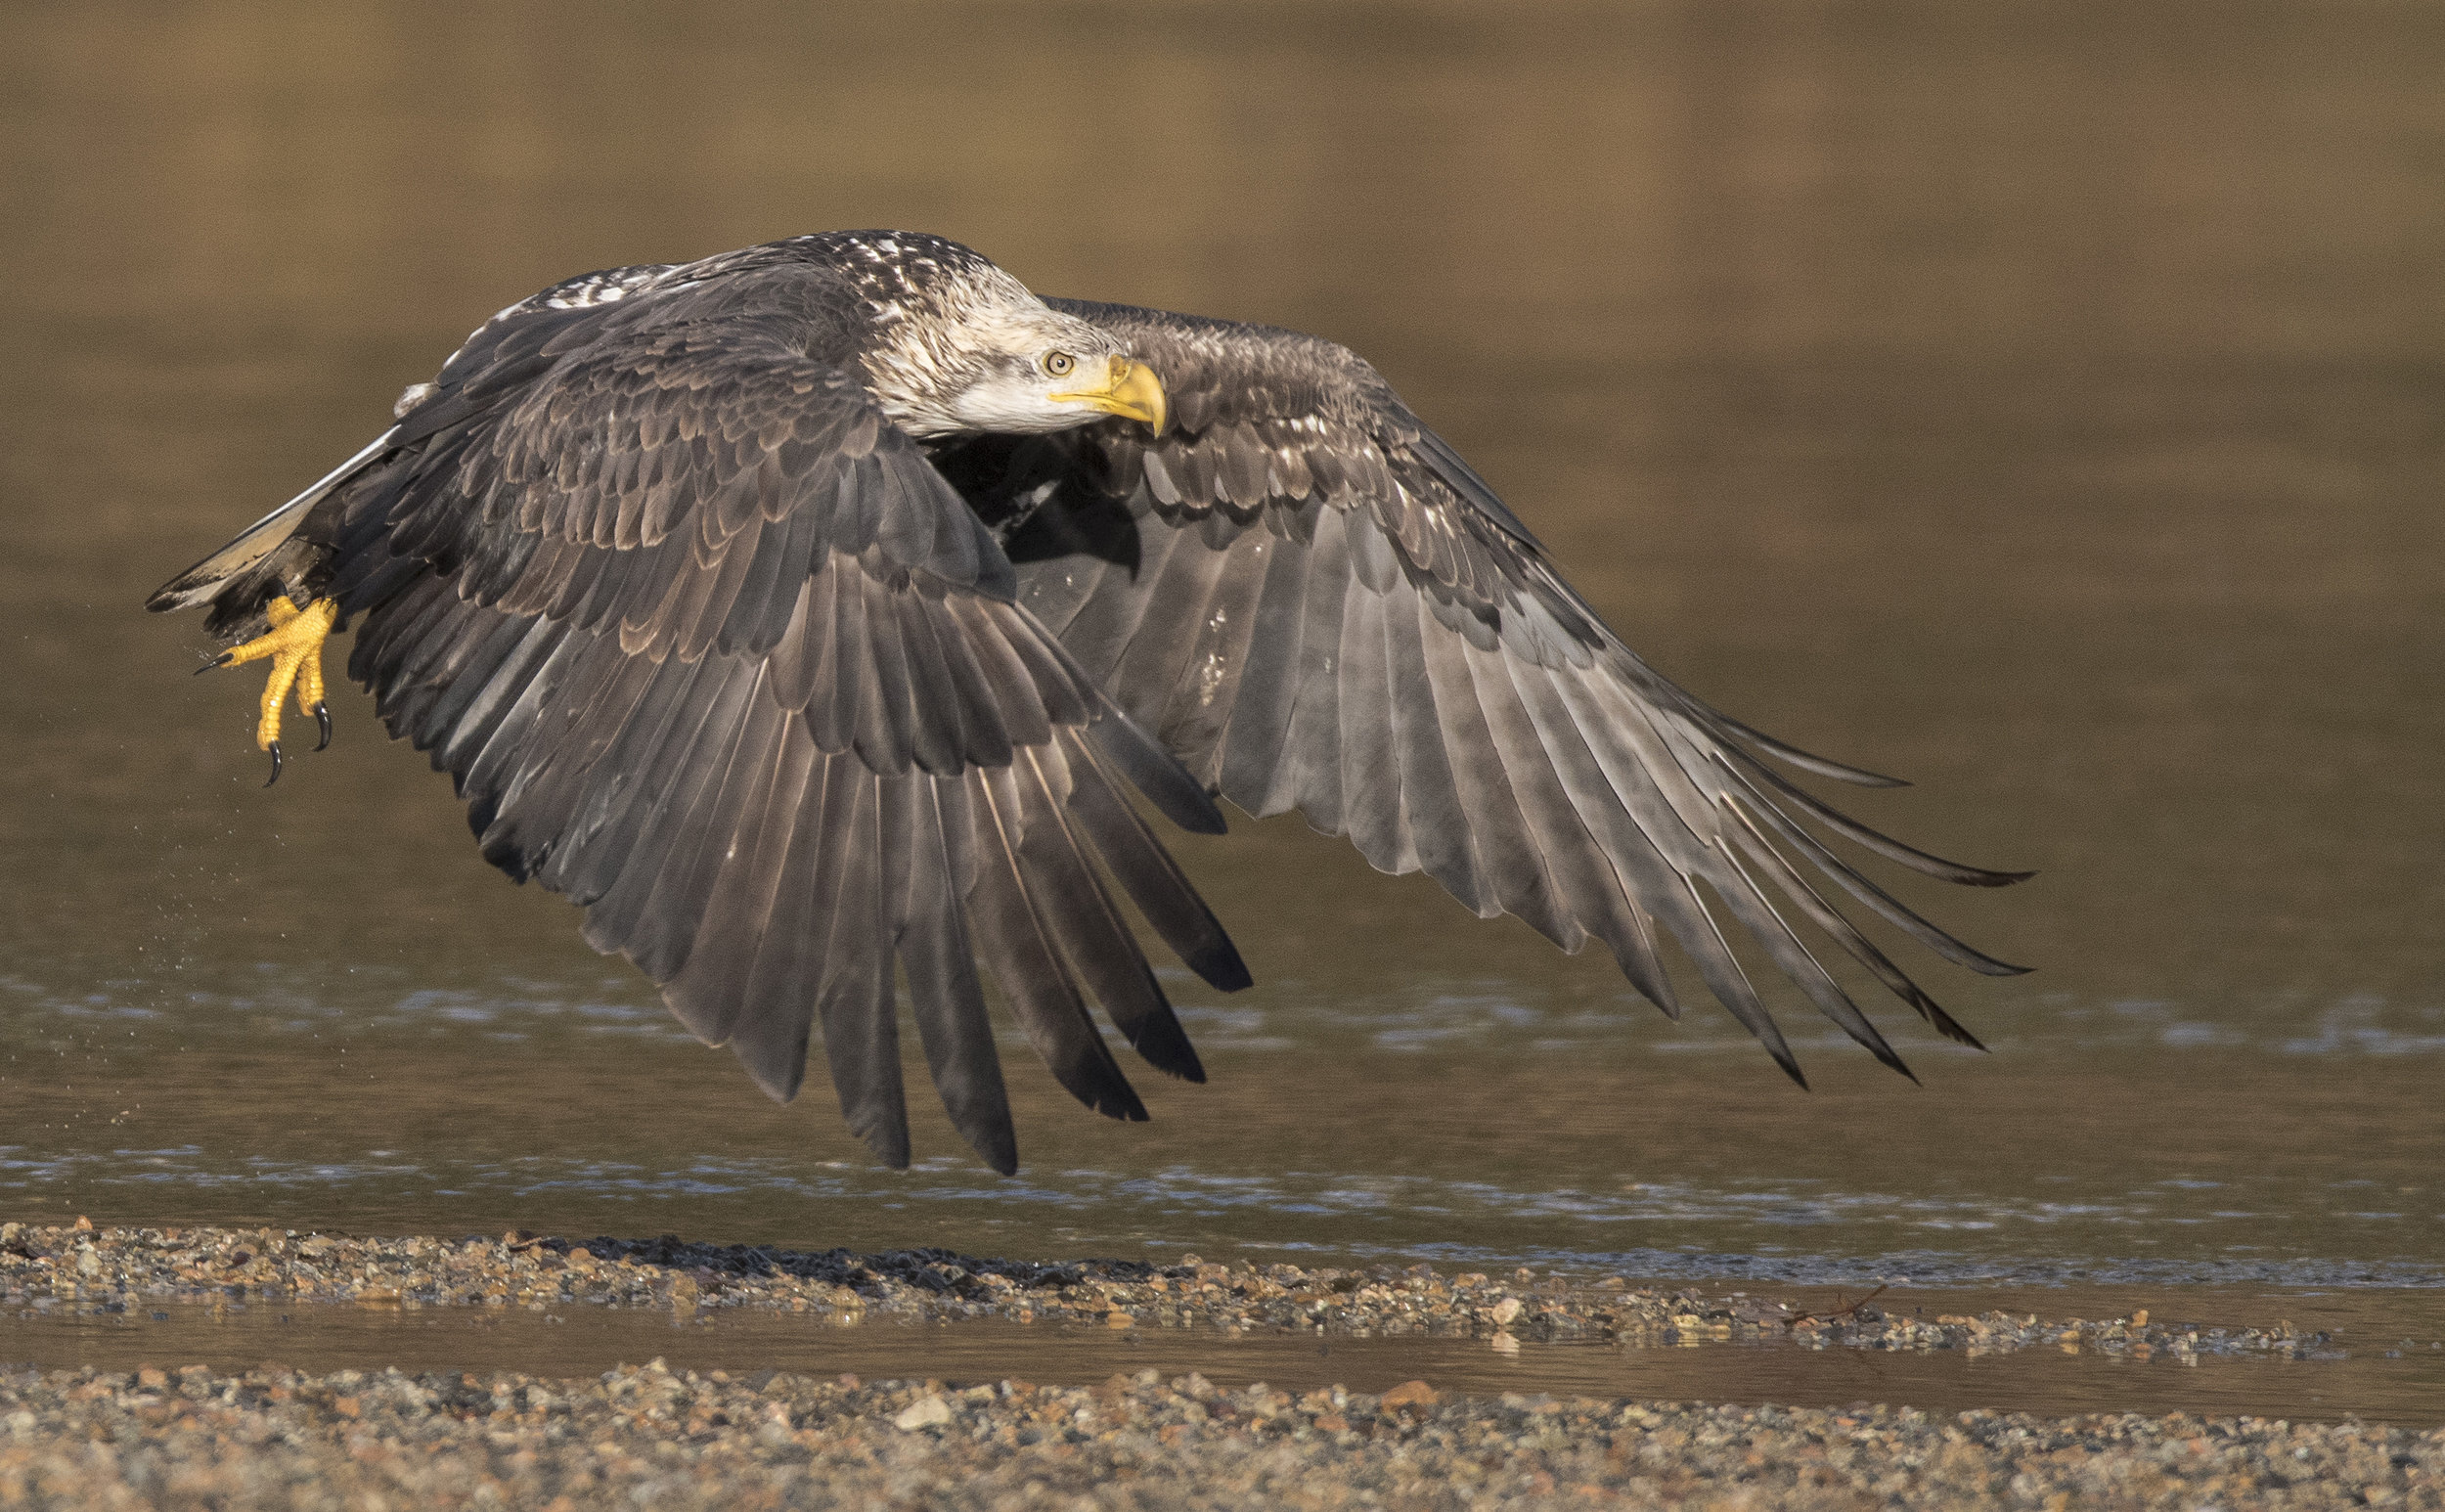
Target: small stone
{"type": "Point", "coordinates": [151, 1377]}
{"type": "Point", "coordinates": [2139, 1319]}
{"type": "Point", "coordinates": [1412, 1393]}
{"type": "Point", "coordinates": [84, 1225]}
{"type": "Point", "coordinates": [1119, 1321]}
{"type": "Point", "coordinates": [1505, 1311]}
{"type": "Point", "coordinates": [931, 1413]}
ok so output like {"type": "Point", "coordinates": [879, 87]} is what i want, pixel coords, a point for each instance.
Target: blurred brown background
{"type": "Point", "coordinates": [2040, 401]}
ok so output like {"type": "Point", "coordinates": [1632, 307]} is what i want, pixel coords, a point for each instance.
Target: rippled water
{"type": "Point", "coordinates": [2404, 1385]}
{"type": "Point", "coordinates": [2043, 403]}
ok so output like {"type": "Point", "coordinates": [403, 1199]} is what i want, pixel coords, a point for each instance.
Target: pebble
{"type": "Point", "coordinates": [179, 1438]}
{"type": "Point", "coordinates": [647, 1436]}
{"type": "Point", "coordinates": [108, 1269]}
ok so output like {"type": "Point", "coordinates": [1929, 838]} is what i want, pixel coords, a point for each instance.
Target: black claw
{"type": "Point", "coordinates": [274, 777]}
{"type": "Point", "coordinates": [323, 717]}
{"type": "Point", "coordinates": [222, 660]}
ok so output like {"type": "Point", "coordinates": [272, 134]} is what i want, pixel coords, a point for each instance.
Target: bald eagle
{"type": "Point", "coordinates": [821, 604]}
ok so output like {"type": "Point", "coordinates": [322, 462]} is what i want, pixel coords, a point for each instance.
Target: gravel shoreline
{"type": "Point", "coordinates": [179, 1437]}
{"type": "Point", "coordinates": [88, 1269]}
{"type": "Point", "coordinates": [648, 1437]}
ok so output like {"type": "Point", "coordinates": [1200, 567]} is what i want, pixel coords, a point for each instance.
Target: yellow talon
{"type": "Point", "coordinates": [294, 643]}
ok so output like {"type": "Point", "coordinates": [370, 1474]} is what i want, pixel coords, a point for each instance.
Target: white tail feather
{"type": "Point", "coordinates": [258, 540]}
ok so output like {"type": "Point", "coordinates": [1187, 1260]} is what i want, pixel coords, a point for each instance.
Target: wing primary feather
{"type": "Point", "coordinates": [617, 798]}
{"type": "Point", "coordinates": [1639, 874]}
{"type": "Point", "coordinates": [1849, 878]}
{"type": "Point", "coordinates": [1145, 675]}
{"type": "Point", "coordinates": [888, 741]}
{"type": "Point", "coordinates": [1722, 969]}
{"type": "Point", "coordinates": [1156, 773]}
{"type": "Point", "coordinates": [1148, 872]}
{"type": "Point", "coordinates": [1100, 634]}
{"type": "Point", "coordinates": [483, 769]}
{"type": "Point", "coordinates": [717, 992]}
{"type": "Point", "coordinates": [1791, 954]}
{"type": "Point", "coordinates": [1100, 947]}
{"type": "Point", "coordinates": [536, 652]}
{"type": "Point", "coordinates": [1252, 745]}
{"type": "Point", "coordinates": [939, 741]}
{"type": "Point", "coordinates": [945, 994]}
{"type": "Point", "coordinates": [665, 862]}
{"type": "Point", "coordinates": [984, 738]}
{"type": "Point", "coordinates": [1207, 690]}
{"type": "Point", "coordinates": [1309, 777]}
{"type": "Point", "coordinates": [1829, 918]}
{"type": "Point", "coordinates": [1439, 828]}
{"type": "Point", "coordinates": [1001, 675]}
{"type": "Point", "coordinates": [1515, 876]}
{"type": "Point", "coordinates": [1723, 724]}
{"type": "Point", "coordinates": [860, 1030]}
{"type": "Point", "coordinates": [1884, 845]}
{"type": "Point", "coordinates": [787, 977]}
{"type": "Point", "coordinates": [1371, 782]}
{"type": "Point", "coordinates": [1011, 936]}
{"type": "Point", "coordinates": [709, 836]}
{"type": "Point", "coordinates": [866, 724]}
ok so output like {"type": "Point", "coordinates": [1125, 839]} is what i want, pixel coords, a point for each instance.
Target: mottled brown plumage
{"type": "Point", "coordinates": [728, 628]}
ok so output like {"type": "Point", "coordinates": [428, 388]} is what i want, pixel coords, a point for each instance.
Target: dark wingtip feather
{"type": "Point", "coordinates": [1219, 967]}
{"type": "Point", "coordinates": [1165, 1044]}
{"type": "Point", "coordinates": [998, 1147]}
{"type": "Point", "coordinates": [1793, 755]}
{"type": "Point", "coordinates": [1938, 1019]}
{"type": "Point", "coordinates": [1119, 1102]}
{"type": "Point", "coordinates": [1158, 773]}
{"type": "Point", "coordinates": [1951, 1029]}
{"type": "Point", "coordinates": [1986, 878]}
{"type": "Point", "coordinates": [892, 1152]}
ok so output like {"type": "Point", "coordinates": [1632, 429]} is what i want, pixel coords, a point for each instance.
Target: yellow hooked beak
{"type": "Point", "coordinates": [1130, 390]}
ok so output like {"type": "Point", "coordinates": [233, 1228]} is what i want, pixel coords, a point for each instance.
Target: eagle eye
{"type": "Point", "coordinates": [1059, 364]}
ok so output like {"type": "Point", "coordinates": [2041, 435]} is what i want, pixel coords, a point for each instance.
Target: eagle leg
{"type": "Point", "coordinates": [294, 645]}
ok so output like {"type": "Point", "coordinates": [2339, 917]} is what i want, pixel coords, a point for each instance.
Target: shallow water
{"type": "Point", "coordinates": [2042, 402]}
{"type": "Point", "coordinates": [2397, 1380]}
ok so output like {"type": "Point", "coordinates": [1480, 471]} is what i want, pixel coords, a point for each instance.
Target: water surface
{"type": "Point", "coordinates": [2404, 1385]}
{"type": "Point", "coordinates": [2042, 402]}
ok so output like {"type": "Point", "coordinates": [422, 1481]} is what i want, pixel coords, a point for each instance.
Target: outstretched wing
{"type": "Point", "coordinates": [711, 648]}
{"type": "Point", "coordinates": [1315, 602]}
